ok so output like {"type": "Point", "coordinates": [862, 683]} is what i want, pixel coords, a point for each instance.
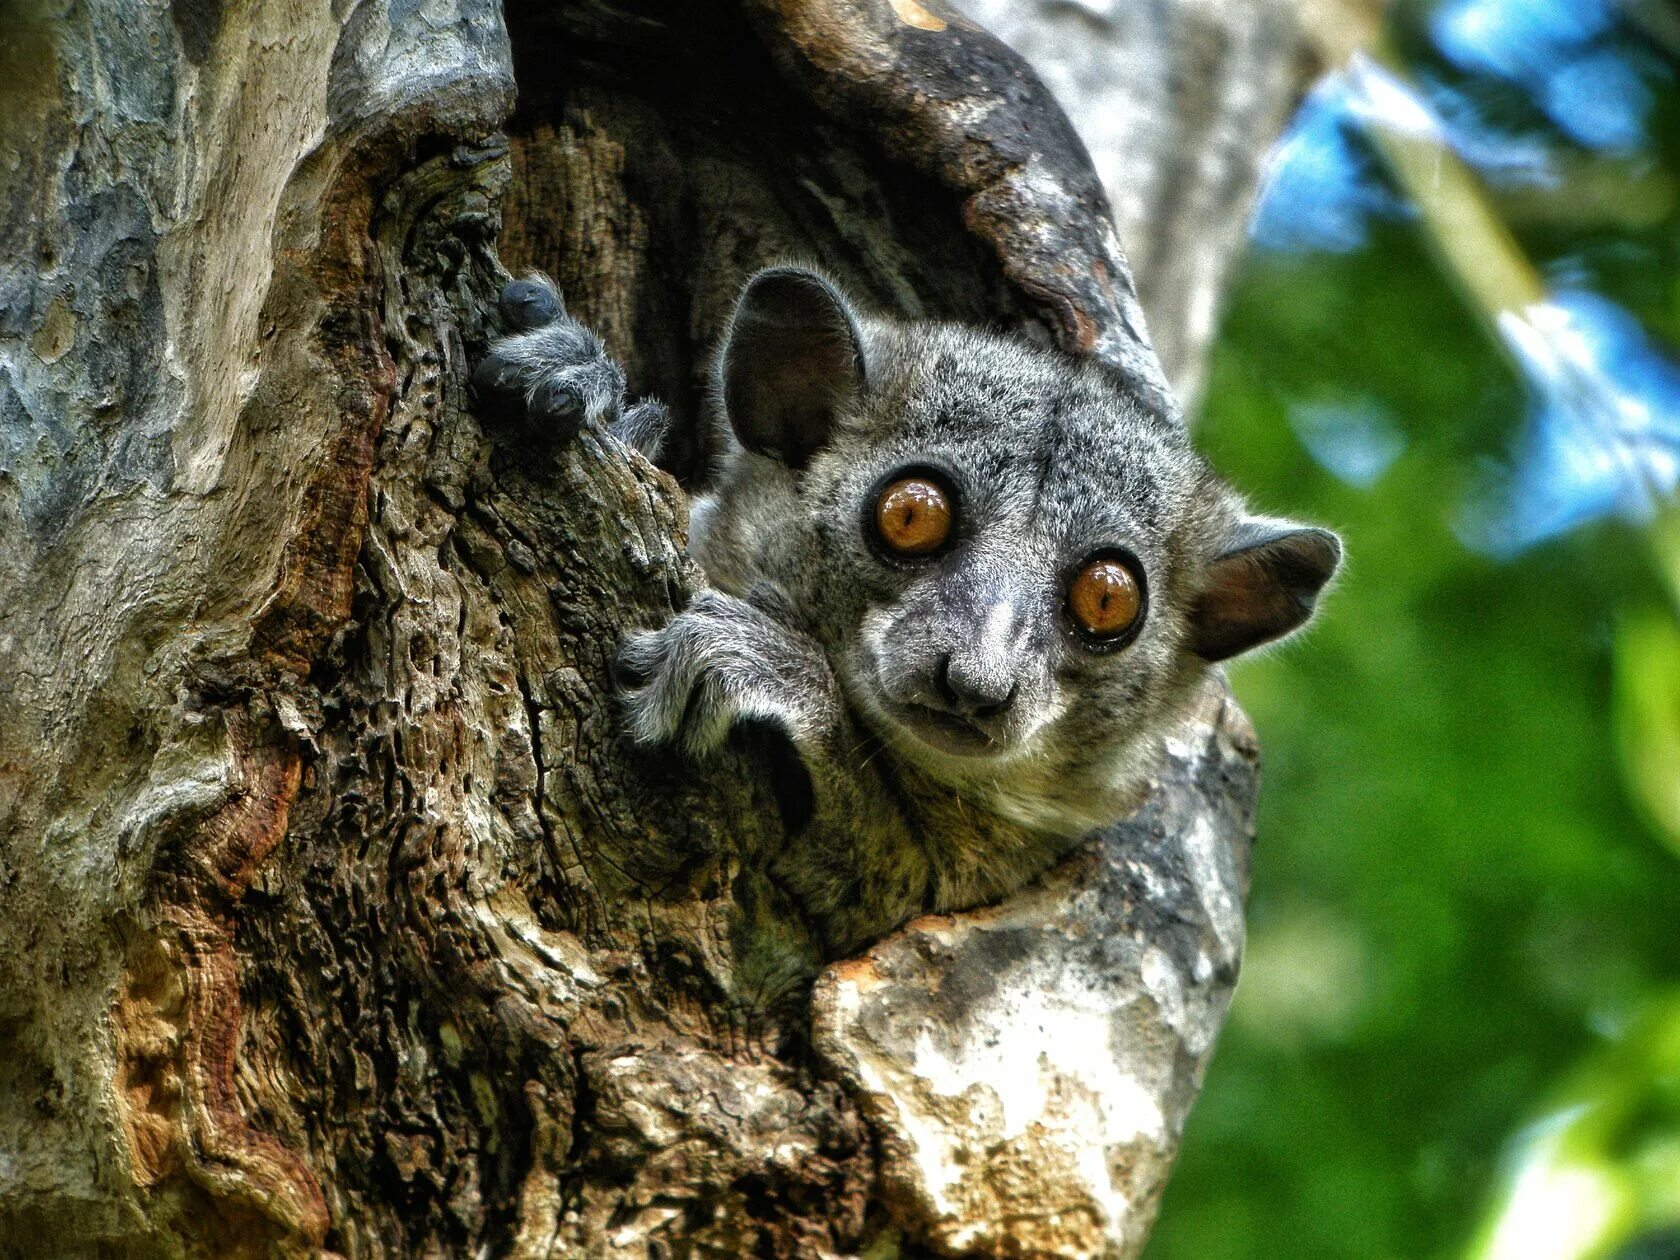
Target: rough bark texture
{"type": "Point", "coordinates": [1177, 136]}
{"type": "Point", "coordinates": [335, 914]}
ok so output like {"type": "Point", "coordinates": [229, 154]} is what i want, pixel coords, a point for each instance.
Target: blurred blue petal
{"type": "Point", "coordinates": [1599, 99]}
{"type": "Point", "coordinates": [1514, 38]}
{"type": "Point", "coordinates": [1321, 188]}
{"type": "Point", "coordinates": [1504, 157]}
{"type": "Point", "coordinates": [1603, 434]}
{"type": "Point", "coordinates": [1324, 187]}
{"type": "Point", "coordinates": [1356, 440]}
{"type": "Point", "coordinates": [1562, 53]}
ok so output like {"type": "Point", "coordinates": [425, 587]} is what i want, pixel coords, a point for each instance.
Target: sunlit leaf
{"type": "Point", "coordinates": [1648, 714]}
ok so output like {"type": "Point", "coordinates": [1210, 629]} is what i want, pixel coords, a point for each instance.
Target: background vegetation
{"type": "Point", "coordinates": [1458, 1031]}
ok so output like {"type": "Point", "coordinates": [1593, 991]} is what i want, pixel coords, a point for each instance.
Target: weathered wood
{"type": "Point", "coordinates": [1179, 103]}
{"type": "Point", "coordinates": [335, 913]}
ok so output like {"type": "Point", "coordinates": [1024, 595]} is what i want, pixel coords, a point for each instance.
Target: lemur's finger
{"type": "Point", "coordinates": [528, 304]}
{"type": "Point", "coordinates": [644, 427]}
{"type": "Point", "coordinates": [641, 657]}
{"type": "Point", "coordinates": [498, 376]}
{"type": "Point", "coordinates": [558, 400]}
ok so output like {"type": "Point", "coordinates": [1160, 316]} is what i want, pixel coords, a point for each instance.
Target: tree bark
{"type": "Point", "coordinates": [336, 916]}
{"type": "Point", "coordinates": [1179, 101]}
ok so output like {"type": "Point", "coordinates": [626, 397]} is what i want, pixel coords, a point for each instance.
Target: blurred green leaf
{"type": "Point", "coordinates": [1454, 898]}
{"type": "Point", "coordinates": [1466, 903]}
{"type": "Point", "coordinates": [1601, 1170]}
{"type": "Point", "coordinates": [1648, 715]}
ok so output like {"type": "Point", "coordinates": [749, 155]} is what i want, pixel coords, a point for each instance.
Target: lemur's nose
{"type": "Point", "coordinates": [971, 693]}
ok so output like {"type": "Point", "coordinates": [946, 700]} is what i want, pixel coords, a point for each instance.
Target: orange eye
{"type": "Point", "coordinates": [913, 516]}
{"type": "Point", "coordinates": [1106, 598]}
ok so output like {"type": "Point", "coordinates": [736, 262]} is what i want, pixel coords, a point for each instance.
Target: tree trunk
{"type": "Point", "coordinates": [335, 914]}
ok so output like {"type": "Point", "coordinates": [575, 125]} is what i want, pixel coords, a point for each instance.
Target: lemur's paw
{"type": "Point", "coordinates": [690, 681]}
{"type": "Point", "coordinates": [529, 303]}
{"type": "Point", "coordinates": [551, 368]}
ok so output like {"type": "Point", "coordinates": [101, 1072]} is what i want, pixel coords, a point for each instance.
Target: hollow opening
{"type": "Point", "coordinates": [659, 158]}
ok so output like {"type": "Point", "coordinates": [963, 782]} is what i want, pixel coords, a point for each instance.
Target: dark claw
{"type": "Point", "coordinates": [495, 376]}
{"type": "Point", "coordinates": [528, 304]}
{"type": "Point", "coordinates": [555, 400]}
{"type": "Point", "coordinates": [626, 675]}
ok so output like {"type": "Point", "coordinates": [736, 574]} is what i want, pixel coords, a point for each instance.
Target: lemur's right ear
{"type": "Point", "coordinates": [792, 360]}
{"type": "Point", "coordinates": [1262, 585]}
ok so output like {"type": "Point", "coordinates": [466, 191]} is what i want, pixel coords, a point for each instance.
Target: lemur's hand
{"type": "Point", "coordinates": [559, 375]}
{"type": "Point", "coordinates": [721, 661]}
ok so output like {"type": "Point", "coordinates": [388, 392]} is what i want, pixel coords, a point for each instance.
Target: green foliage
{"type": "Point", "coordinates": [1598, 1176]}
{"type": "Point", "coordinates": [1456, 904]}
{"type": "Point", "coordinates": [1648, 714]}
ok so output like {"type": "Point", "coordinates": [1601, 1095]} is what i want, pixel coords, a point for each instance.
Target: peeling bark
{"type": "Point", "coordinates": [337, 915]}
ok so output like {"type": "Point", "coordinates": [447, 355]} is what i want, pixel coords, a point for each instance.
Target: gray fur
{"type": "Point", "coordinates": [721, 661]}
{"type": "Point", "coordinates": [959, 733]}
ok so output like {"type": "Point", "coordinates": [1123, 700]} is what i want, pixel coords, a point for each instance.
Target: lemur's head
{"type": "Point", "coordinates": [1019, 573]}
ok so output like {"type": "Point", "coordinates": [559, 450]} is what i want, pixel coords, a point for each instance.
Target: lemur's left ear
{"type": "Point", "coordinates": [1261, 586]}
{"type": "Point", "coordinates": [792, 360]}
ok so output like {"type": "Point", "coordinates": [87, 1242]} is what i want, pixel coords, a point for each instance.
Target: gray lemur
{"type": "Point", "coordinates": [972, 581]}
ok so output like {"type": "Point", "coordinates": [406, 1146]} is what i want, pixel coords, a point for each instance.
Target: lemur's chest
{"type": "Point", "coordinates": [885, 843]}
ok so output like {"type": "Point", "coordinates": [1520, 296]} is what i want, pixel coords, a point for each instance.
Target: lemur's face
{"type": "Point", "coordinates": [1007, 584]}
{"type": "Point", "coordinates": [1016, 571]}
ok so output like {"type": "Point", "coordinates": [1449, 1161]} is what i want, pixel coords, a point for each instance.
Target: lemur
{"type": "Point", "coordinates": [972, 581]}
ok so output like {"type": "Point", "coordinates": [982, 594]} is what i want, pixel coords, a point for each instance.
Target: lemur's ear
{"type": "Point", "coordinates": [793, 358]}
{"type": "Point", "coordinates": [1262, 585]}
